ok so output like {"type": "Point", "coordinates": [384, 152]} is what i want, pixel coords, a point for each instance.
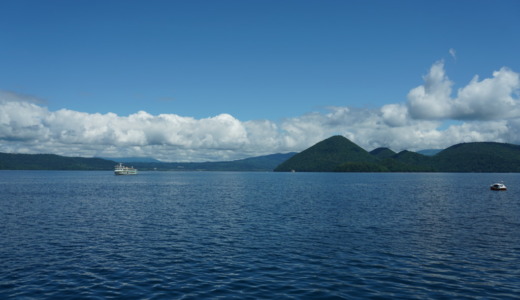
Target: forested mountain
{"type": "Point", "coordinates": [479, 157]}
{"type": "Point", "coordinates": [341, 155]}
{"type": "Point", "coordinates": [382, 153]}
{"type": "Point", "coordinates": [326, 155]}
{"type": "Point", "coordinates": [9, 161]}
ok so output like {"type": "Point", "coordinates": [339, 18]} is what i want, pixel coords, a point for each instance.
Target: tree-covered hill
{"type": "Point", "coordinates": [10, 161]}
{"type": "Point", "coordinates": [415, 160]}
{"type": "Point", "coordinates": [382, 153]}
{"type": "Point", "coordinates": [341, 155]}
{"type": "Point", "coordinates": [479, 157]}
{"type": "Point", "coordinates": [405, 161]}
{"type": "Point", "coordinates": [326, 156]}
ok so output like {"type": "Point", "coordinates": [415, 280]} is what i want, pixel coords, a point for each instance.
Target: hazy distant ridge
{"type": "Point", "coordinates": [10, 161]}
{"type": "Point", "coordinates": [258, 163]}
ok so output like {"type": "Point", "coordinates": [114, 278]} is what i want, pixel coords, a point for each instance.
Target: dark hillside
{"type": "Point", "coordinates": [326, 156]}
{"type": "Point", "coordinates": [382, 153]}
{"type": "Point", "coordinates": [479, 157]}
{"type": "Point", "coordinates": [9, 161]}
{"type": "Point", "coordinates": [341, 155]}
{"type": "Point", "coordinates": [415, 159]}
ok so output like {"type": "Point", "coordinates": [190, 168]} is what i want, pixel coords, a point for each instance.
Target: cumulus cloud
{"type": "Point", "coordinates": [490, 99]}
{"type": "Point", "coordinates": [35, 126]}
{"type": "Point", "coordinates": [431, 100]}
{"type": "Point", "coordinates": [395, 115]}
{"type": "Point", "coordinates": [488, 110]}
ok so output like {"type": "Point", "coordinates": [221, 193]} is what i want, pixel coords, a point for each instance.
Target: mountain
{"type": "Point", "coordinates": [335, 154]}
{"type": "Point", "coordinates": [325, 156]}
{"type": "Point", "coordinates": [9, 161]}
{"type": "Point", "coordinates": [258, 163]}
{"type": "Point", "coordinates": [389, 161]}
{"type": "Point", "coordinates": [382, 153]}
{"type": "Point", "coordinates": [341, 155]}
{"type": "Point", "coordinates": [413, 158]}
{"type": "Point", "coordinates": [479, 157]}
{"type": "Point", "coordinates": [408, 161]}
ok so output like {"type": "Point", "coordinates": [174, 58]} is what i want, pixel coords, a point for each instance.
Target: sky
{"type": "Point", "coordinates": [212, 80]}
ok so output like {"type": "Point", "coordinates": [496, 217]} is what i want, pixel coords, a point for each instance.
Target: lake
{"type": "Point", "coordinates": [199, 235]}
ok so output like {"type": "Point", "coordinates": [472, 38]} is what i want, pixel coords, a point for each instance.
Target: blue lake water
{"type": "Point", "coordinates": [199, 235]}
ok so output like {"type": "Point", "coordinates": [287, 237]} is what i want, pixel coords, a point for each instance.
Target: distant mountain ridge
{"type": "Point", "coordinates": [9, 161]}
{"type": "Point", "coordinates": [335, 154]}
{"type": "Point", "coordinates": [429, 152]}
{"type": "Point", "coordinates": [15, 161]}
{"type": "Point", "coordinates": [132, 159]}
{"type": "Point", "coordinates": [338, 154]}
{"type": "Point", "coordinates": [257, 163]}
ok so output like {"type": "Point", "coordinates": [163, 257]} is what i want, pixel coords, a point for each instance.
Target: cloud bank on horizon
{"type": "Point", "coordinates": [432, 117]}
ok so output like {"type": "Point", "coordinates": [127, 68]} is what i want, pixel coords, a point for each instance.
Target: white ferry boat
{"type": "Point", "coordinates": [122, 170]}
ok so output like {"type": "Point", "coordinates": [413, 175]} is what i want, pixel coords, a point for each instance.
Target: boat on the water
{"type": "Point", "coordinates": [498, 187]}
{"type": "Point", "coordinates": [123, 170]}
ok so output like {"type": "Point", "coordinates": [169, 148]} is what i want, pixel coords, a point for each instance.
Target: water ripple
{"type": "Point", "coordinates": [91, 235]}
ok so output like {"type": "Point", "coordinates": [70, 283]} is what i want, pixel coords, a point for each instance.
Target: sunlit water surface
{"type": "Point", "coordinates": [193, 235]}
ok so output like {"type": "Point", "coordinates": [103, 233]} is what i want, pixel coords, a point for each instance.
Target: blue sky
{"type": "Point", "coordinates": [276, 64]}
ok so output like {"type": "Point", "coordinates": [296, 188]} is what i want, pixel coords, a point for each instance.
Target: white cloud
{"type": "Point", "coordinates": [490, 99]}
{"type": "Point", "coordinates": [431, 100]}
{"type": "Point", "coordinates": [22, 121]}
{"type": "Point", "coordinates": [17, 97]}
{"type": "Point", "coordinates": [489, 109]}
{"type": "Point", "coordinates": [27, 127]}
{"type": "Point", "coordinates": [453, 53]}
{"type": "Point", "coordinates": [395, 115]}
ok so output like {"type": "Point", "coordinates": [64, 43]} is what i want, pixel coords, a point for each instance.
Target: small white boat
{"type": "Point", "coordinates": [498, 187]}
{"type": "Point", "coordinates": [123, 170]}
